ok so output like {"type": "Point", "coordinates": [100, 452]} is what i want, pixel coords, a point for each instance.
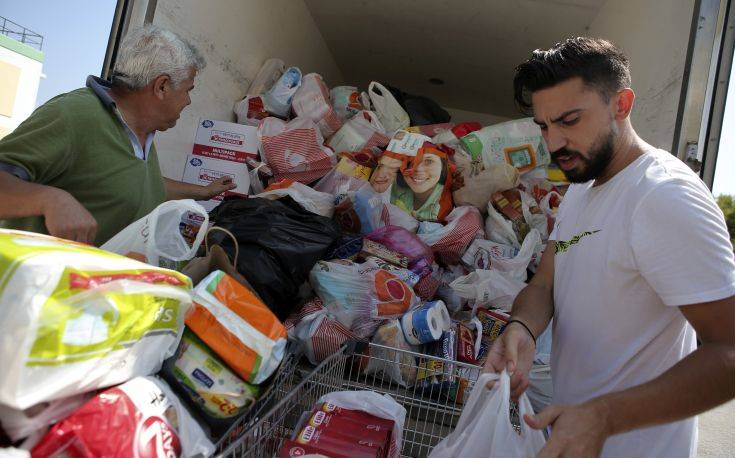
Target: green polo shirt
{"type": "Point", "coordinates": [77, 143]}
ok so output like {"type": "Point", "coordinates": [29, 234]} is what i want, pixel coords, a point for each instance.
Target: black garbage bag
{"type": "Point", "coordinates": [422, 111]}
{"type": "Point", "coordinates": [279, 244]}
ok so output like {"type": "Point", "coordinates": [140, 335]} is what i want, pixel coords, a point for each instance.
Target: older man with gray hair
{"type": "Point", "coordinates": [83, 166]}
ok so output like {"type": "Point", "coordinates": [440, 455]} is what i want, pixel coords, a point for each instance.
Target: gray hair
{"type": "Point", "coordinates": [151, 51]}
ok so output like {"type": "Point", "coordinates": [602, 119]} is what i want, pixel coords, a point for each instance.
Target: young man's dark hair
{"type": "Point", "coordinates": [598, 62]}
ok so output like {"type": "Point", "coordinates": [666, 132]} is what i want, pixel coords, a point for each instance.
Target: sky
{"type": "Point", "coordinates": [75, 40]}
{"type": "Point", "coordinates": [75, 35]}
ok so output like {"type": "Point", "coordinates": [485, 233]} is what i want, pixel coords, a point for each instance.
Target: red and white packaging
{"type": "Point", "coordinates": [464, 224]}
{"type": "Point", "coordinates": [331, 441]}
{"type": "Point", "coordinates": [221, 149]}
{"type": "Point", "coordinates": [295, 150]}
{"type": "Point", "coordinates": [312, 101]}
{"type": "Point", "coordinates": [292, 449]}
{"type": "Point", "coordinates": [318, 333]}
{"type": "Point", "coordinates": [250, 110]}
{"type": "Point", "coordinates": [140, 418]}
{"type": "Point", "coordinates": [359, 425]}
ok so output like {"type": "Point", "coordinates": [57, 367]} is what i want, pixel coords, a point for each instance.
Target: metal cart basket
{"type": "Point", "coordinates": [432, 409]}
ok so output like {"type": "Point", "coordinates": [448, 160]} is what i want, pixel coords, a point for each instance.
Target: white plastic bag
{"type": "Point", "coordinates": [250, 110]}
{"type": "Point", "coordinates": [345, 101]}
{"type": "Point", "coordinates": [19, 424]}
{"type": "Point", "coordinates": [380, 405]}
{"type": "Point", "coordinates": [488, 288]}
{"type": "Point", "coordinates": [479, 181]}
{"type": "Point", "coordinates": [399, 366]}
{"type": "Point", "coordinates": [77, 318]}
{"type": "Point", "coordinates": [311, 100]}
{"type": "Point", "coordinates": [518, 143]}
{"type": "Point", "coordinates": [359, 132]}
{"type": "Point", "coordinates": [486, 254]}
{"type": "Point", "coordinates": [278, 98]}
{"type": "Point", "coordinates": [157, 239]}
{"type": "Point", "coordinates": [499, 229]}
{"type": "Point", "coordinates": [317, 202]}
{"type": "Point", "coordinates": [389, 111]}
{"type": "Point", "coordinates": [484, 428]}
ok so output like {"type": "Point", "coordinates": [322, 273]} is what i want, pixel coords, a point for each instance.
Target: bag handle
{"type": "Point", "coordinates": [232, 236]}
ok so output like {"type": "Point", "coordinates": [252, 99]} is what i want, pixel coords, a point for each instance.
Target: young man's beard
{"type": "Point", "coordinates": [590, 167]}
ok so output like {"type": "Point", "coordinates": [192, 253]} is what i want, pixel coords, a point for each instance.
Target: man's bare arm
{"type": "Point", "coordinates": [63, 215]}
{"type": "Point", "coordinates": [176, 190]}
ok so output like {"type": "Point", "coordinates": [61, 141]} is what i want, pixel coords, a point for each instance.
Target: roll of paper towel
{"type": "Point", "coordinates": [426, 324]}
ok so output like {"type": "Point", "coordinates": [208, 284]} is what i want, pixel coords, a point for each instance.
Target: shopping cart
{"type": "Point", "coordinates": [273, 393]}
{"type": "Point", "coordinates": [432, 412]}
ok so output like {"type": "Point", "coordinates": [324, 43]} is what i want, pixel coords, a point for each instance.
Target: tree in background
{"type": "Point", "coordinates": [727, 204]}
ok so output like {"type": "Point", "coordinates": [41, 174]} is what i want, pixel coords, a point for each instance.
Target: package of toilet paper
{"type": "Point", "coordinates": [77, 318]}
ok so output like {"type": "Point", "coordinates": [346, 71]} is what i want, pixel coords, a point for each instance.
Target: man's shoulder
{"type": "Point", "coordinates": [659, 171]}
{"type": "Point", "coordinates": [77, 102]}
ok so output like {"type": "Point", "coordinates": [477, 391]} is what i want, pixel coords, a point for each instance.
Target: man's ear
{"type": "Point", "coordinates": [161, 86]}
{"type": "Point", "coordinates": [623, 101]}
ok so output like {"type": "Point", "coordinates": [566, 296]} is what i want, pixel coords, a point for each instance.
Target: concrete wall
{"type": "Point", "coordinates": [486, 119]}
{"type": "Point", "coordinates": [654, 34]}
{"type": "Point", "coordinates": [20, 79]}
{"type": "Point", "coordinates": [236, 37]}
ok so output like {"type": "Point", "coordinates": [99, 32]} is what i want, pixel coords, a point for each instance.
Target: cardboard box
{"type": "Point", "coordinates": [221, 149]}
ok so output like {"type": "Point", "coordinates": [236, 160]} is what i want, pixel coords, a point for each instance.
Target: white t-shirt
{"type": "Point", "coordinates": [628, 252]}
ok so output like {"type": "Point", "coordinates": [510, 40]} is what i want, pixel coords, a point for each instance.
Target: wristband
{"type": "Point", "coordinates": [524, 325]}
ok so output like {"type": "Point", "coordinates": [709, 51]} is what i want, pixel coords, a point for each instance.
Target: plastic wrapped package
{"type": "Point", "coordinates": [488, 288]}
{"type": "Point", "coordinates": [346, 101]}
{"type": "Point", "coordinates": [319, 335]}
{"type": "Point", "coordinates": [348, 176]}
{"type": "Point", "coordinates": [360, 296]}
{"type": "Point", "coordinates": [451, 136]}
{"type": "Point", "coordinates": [476, 182]}
{"type": "Point", "coordinates": [206, 385]}
{"type": "Point", "coordinates": [77, 318]}
{"type": "Point", "coordinates": [518, 143]}
{"type": "Point", "coordinates": [157, 238]}
{"type": "Point", "coordinates": [314, 201]}
{"type": "Point", "coordinates": [295, 149]}
{"type": "Point", "coordinates": [279, 242]}
{"type": "Point", "coordinates": [449, 242]}
{"type": "Point", "coordinates": [142, 417]}
{"type": "Point", "coordinates": [423, 186]}
{"type": "Point", "coordinates": [278, 98]}
{"type": "Point", "coordinates": [312, 101]}
{"type": "Point", "coordinates": [379, 405]}
{"type": "Point", "coordinates": [431, 130]}
{"type": "Point", "coordinates": [360, 132]}
{"type": "Point", "coordinates": [238, 327]}
{"type": "Point", "coordinates": [366, 211]}
{"type": "Point", "coordinates": [397, 366]}
{"type": "Point", "coordinates": [400, 240]}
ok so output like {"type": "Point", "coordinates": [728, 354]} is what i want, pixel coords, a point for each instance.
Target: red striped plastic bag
{"type": "Point", "coordinates": [312, 101]}
{"type": "Point", "coordinates": [295, 150]}
{"type": "Point", "coordinates": [318, 333]}
{"type": "Point", "coordinates": [451, 241]}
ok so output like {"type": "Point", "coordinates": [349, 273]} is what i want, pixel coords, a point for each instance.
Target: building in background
{"type": "Point", "coordinates": [21, 63]}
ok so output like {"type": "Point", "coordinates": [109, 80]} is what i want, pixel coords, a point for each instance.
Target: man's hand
{"type": "Point", "coordinates": [514, 350]}
{"type": "Point", "coordinates": [66, 218]}
{"type": "Point", "coordinates": [577, 431]}
{"type": "Point", "coordinates": [217, 187]}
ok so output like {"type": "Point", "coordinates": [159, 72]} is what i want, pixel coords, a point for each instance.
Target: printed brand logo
{"type": "Point", "coordinates": [296, 451]}
{"type": "Point", "coordinates": [228, 138]}
{"type": "Point", "coordinates": [308, 434]}
{"type": "Point", "coordinates": [207, 123]}
{"type": "Point", "coordinates": [195, 162]}
{"type": "Point", "coordinates": [563, 246]}
{"type": "Point", "coordinates": [209, 176]}
{"type": "Point", "coordinates": [318, 418]}
{"type": "Point", "coordinates": [202, 377]}
{"type": "Point", "coordinates": [156, 438]}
